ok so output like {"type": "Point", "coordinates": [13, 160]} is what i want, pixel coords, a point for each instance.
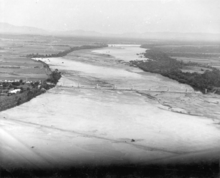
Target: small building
{"type": "Point", "coordinates": [14, 91]}
{"type": "Point", "coordinates": [43, 89]}
{"type": "Point", "coordinates": [49, 83]}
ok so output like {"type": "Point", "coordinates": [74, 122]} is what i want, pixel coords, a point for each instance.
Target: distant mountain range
{"type": "Point", "coordinates": [12, 29]}
{"type": "Point", "coordinates": [8, 28]}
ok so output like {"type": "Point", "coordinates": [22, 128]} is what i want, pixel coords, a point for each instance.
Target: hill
{"type": "Point", "coordinates": [8, 28]}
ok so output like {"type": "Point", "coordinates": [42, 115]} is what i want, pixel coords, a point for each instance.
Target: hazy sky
{"type": "Point", "coordinates": [114, 16]}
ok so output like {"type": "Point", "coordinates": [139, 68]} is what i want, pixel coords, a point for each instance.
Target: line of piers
{"type": "Point", "coordinates": [114, 87]}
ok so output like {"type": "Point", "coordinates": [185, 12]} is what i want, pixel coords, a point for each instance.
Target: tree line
{"type": "Point", "coordinates": [65, 52]}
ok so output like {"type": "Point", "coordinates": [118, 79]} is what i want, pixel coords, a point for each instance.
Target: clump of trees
{"type": "Point", "coordinates": [54, 77]}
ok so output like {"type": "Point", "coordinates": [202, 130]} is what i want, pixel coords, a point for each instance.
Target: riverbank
{"type": "Point", "coordinates": [27, 90]}
{"type": "Point", "coordinates": [34, 89]}
{"type": "Point", "coordinates": [160, 63]}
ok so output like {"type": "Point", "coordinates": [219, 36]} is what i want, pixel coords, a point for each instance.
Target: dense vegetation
{"type": "Point", "coordinates": [65, 52]}
{"type": "Point", "coordinates": [28, 90]}
{"type": "Point", "coordinates": [161, 63]}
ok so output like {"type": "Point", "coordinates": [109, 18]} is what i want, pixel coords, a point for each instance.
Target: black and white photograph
{"type": "Point", "coordinates": [110, 88]}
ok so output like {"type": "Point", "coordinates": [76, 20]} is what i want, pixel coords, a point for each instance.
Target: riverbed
{"type": "Point", "coordinates": [104, 111]}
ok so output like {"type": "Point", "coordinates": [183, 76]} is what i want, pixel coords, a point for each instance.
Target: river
{"type": "Point", "coordinates": [104, 111]}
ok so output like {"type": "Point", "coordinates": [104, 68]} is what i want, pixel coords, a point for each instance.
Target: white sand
{"type": "Point", "coordinates": [64, 64]}
{"type": "Point", "coordinates": [123, 51]}
{"type": "Point", "coordinates": [80, 126]}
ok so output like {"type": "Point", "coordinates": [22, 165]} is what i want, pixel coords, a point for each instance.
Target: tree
{"type": "Point", "coordinates": [19, 101]}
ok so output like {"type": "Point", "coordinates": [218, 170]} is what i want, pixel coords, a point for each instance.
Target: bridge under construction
{"type": "Point", "coordinates": [116, 88]}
